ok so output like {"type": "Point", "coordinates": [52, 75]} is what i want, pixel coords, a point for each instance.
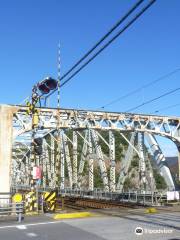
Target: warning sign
{"type": "Point", "coordinates": [17, 198]}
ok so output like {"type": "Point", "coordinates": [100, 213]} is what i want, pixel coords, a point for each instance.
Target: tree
{"type": "Point", "coordinates": [160, 182]}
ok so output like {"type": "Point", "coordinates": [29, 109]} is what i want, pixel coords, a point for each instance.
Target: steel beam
{"type": "Point", "coordinates": [91, 163]}
{"type": "Point", "coordinates": [83, 158]}
{"type": "Point", "coordinates": [160, 160]}
{"type": "Point", "coordinates": [101, 160]}
{"type": "Point", "coordinates": [125, 163]}
{"type": "Point", "coordinates": [62, 163]}
{"type": "Point", "coordinates": [68, 159]}
{"type": "Point", "coordinates": [75, 144]}
{"type": "Point", "coordinates": [112, 162]}
{"type": "Point", "coordinates": [142, 165]}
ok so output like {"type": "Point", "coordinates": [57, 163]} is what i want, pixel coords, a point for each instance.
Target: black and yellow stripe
{"type": "Point", "coordinates": [50, 201]}
{"type": "Point", "coordinates": [30, 202]}
{"type": "Point", "coordinates": [49, 196]}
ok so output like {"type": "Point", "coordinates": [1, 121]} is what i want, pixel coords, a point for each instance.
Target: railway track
{"type": "Point", "coordinates": [81, 203]}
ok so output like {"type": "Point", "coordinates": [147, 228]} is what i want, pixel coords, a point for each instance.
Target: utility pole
{"type": "Point", "coordinates": [59, 157]}
{"type": "Point", "coordinates": [59, 76]}
{"type": "Point", "coordinates": [42, 88]}
{"type": "Point", "coordinates": [35, 121]}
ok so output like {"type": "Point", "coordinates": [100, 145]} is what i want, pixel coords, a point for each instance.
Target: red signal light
{"type": "Point", "coordinates": [43, 88]}
{"type": "Point", "coordinates": [47, 85]}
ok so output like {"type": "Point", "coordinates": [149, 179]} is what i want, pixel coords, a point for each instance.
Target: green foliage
{"type": "Point", "coordinates": [160, 182]}
{"type": "Point", "coordinates": [133, 175]}
{"type": "Point", "coordinates": [134, 163]}
{"type": "Point", "coordinates": [127, 184]}
{"type": "Point", "coordinates": [98, 183]}
{"type": "Point", "coordinates": [177, 181]}
{"type": "Point", "coordinates": [104, 147]}
{"type": "Point", "coordinates": [65, 170]}
{"type": "Point", "coordinates": [85, 172]}
{"type": "Point", "coordinates": [119, 144]}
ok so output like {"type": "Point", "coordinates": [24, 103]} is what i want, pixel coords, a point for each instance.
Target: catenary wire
{"type": "Point", "coordinates": [153, 99]}
{"type": "Point", "coordinates": [140, 88]}
{"type": "Point", "coordinates": [143, 10]}
{"type": "Point", "coordinates": [119, 22]}
{"type": "Point", "coordinates": [166, 108]}
{"type": "Point", "coordinates": [110, 41]}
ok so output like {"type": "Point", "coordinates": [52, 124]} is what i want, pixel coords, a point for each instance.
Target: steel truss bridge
{"type": "Point", "coordinates": [73, 144]}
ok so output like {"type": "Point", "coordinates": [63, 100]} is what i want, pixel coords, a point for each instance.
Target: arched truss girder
{"type": "Point", "coordinates": [79, 119]}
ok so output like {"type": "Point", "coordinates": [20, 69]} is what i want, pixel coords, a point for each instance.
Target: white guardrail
{"type": "Point", "coordinates": [9, 208]}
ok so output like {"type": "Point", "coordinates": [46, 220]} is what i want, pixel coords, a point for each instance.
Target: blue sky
{"type": "Point", "coordinates": [30, 32]}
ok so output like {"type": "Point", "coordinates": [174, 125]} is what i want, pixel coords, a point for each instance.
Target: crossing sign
{"type": "Point", "coordinates": [17, 198]}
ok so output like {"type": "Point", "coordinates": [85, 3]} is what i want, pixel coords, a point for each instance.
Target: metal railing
{"type": "Point", "coordinates": [138, 197]}
{"type": "Point", "coordinates": [9, 208]}
{"type": "Point", "coordinates": [132, 196]}
{"type": "Point", "coordinates": [13, 209]}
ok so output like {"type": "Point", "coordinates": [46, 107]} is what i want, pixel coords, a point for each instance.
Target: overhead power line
{"type": "Point", "coordinates": [117, 24]}
{"type": "Point", "coordinates": [110, 41]}
{"type": "Point", "coordinates": [166, 108]}
{"type": "Point", "coordinates": [140, 88]}
{"type": "Point", "coordinates": [105, 45]}
{"type": "Point", "coordinates": [153, 99]}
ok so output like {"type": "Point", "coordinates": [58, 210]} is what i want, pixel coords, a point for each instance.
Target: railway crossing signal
{"type": "Point", "coordinates": [47, 85]}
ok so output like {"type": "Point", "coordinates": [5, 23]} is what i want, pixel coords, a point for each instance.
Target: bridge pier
{"type": "Point", "coordinates": [6, 135]}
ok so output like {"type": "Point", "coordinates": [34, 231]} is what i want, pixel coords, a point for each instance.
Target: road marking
{"type": "Point", "coordinates": [31, 234]}
{"type": "Point", "coordinates": [21, 227]}
{"type": "Point", "coordinates": [30, 224]}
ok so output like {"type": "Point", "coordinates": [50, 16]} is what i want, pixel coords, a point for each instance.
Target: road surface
{"type": "Point", "coordinates": [115, 226]}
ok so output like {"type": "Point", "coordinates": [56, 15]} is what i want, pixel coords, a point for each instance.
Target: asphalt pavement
{"type": "Point", "coordinates": [115, 226]}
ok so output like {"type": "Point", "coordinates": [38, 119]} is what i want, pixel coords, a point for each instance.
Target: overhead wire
{"type": "Point", "coordinates": [139, 89]}
{"type": "Point", "coordinates": [153, 99]}
{"type": "Point", "coordinates": [143, 10]}
{"type": "Point", "coordinates": [110, 41]}
{"type": "Point", "coordinates": [117, 24]}
{"type": "Point", "coordinates": [166, 108]}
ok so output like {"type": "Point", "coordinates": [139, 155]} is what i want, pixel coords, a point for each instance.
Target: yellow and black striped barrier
{"type": "Point", "coordinates": [30, 202]}
{"type": "Point", "coordinates": [49, 201]}
{"type": "Point", "coordinates": [46, 201]}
